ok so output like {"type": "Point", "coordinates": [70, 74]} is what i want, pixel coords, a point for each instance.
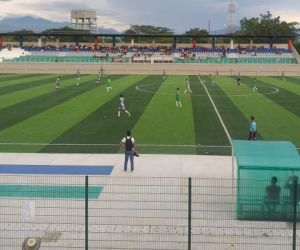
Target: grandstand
{"type": "Point", "coordinates": [145, 54]}
{"type": "Point", "coordinates": [134, 53]}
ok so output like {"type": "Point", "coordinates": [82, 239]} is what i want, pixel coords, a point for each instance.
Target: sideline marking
{"type": "Point", "coordinates": [218, 114]}
{"type": "Point", "coordinates": [107, 144]}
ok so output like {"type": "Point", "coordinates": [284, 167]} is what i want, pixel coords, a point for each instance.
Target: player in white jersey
{"type": "Point", "coordinates": [122, 106]}
{"type": "Point", "coordinates": [78, 77]}
{"type": "Point", "coordinates": [254, 88]}
{"type": "Point", "coordinates": [282, 76]}
{"type": "Point", "coordinates": [187, 86]}
{"type": "Point", "coordinates": [57, 83]}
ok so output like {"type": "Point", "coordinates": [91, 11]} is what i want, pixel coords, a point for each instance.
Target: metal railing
{"type": "Point", "coordinates": [106, 212]}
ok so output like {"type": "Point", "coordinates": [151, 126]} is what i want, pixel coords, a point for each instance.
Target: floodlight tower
{"type": "Point", "coordinates": [230, 27]}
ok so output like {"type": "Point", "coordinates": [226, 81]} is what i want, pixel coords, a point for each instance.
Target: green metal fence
{"type": "Point", "coordinates": [213, 60]}
{"type": "Point", "coordinates": [105, 212]}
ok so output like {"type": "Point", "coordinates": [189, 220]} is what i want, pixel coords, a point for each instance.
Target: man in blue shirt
{"type": "Point", "coordinates": [252, 129]}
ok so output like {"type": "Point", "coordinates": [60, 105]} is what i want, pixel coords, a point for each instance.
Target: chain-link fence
{"type": "Point", "coordinates": [106, 212]}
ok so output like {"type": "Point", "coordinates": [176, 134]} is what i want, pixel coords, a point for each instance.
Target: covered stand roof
{"type": "Point", "coordinates": [266, 155]}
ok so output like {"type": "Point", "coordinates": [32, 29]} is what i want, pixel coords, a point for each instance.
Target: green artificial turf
{"type": "Point", "coordinates": [84, 118]}
{"type": "Point", "coordinates": [162, 123]}
{"type": "Point", "coordinates": [25, 83]}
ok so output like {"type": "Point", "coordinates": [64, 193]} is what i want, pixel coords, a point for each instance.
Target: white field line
{"type": "Point", "coordinates": [107, 144]}
{"type": "Point", "coordinates": [217, 112]}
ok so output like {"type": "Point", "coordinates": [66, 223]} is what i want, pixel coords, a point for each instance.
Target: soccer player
{"type": "Point", "coordinates": [164, 75]}
{"type": "Point", "coordinates": [57, 83]}
{"type": "Point", "coordinates": [108, 87]}
{"type": "Point", "coordinates": [99, 78]}
{"type": "Point", "coordinates": [254, 85]}
{"type": "Point", "coordinates": [187, 86]}
{"type": "Point", "coordinates": [178, 102]}
{"type": "Point", "coordinates": [212, 82]}
{"type": "Point", "coordinates": [78, 77]}
{"type": "Point", "coordinates": [282, 76]}
{"type": "Point", "coordinates": [101, 71]}
{"type": "Point", "coordinates": [252, 129]}
{"type": "Point", "coordinates": [238, 79]}
{"type": "Point", "coordinates": [122, 106]}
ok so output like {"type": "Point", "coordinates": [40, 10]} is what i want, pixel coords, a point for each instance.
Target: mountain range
{"type": "Point", "coordinates": [11, 24]}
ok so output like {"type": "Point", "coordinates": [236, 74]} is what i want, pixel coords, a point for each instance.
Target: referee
{"type": "Point", "coordinates": [252, 129]}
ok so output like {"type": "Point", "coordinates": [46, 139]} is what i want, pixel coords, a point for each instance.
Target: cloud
{"type": "Point", "coordinates": [175, 14]}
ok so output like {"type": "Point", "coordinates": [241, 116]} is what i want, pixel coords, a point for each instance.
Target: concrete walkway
{"type": "Point", "coordinates": [136, 213]}
{"type": "Point", "coordinates": [146, 165]}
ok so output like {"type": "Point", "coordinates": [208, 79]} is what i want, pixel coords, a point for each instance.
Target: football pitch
{"type": "Point", "coordinates": [37, 117]}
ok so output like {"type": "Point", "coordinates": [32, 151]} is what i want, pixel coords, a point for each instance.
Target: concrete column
{"type": "Point", "coordinates": [132, 42]}
{"type": "Point", "coordinates": [77, 41]}
{"type": "Point", "coordinates": [251, 43]}
{"type": "Point", "coordinates": [231, 43]}
{"type": "Point", "coordinates": [57, 42]}
{"type": "Point", "coordinates": [289, 43]}
{"type": "Point", "coordinates": [40, 42]}
{"type": "Point", "coordinates": [96, 41]}
{"type": "Point", "coordinates": [271, 43]}
{"type": "Point", "coordinates": [174, 42]}
{"type": "Point", "coordinates": [213, 42]}
{"type": "Point", "coordinates": [114, 41]}
{"type": "Point", "coordinates": [21, 40]}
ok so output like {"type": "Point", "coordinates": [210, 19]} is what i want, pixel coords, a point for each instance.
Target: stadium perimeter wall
{"type": "Point", "coordinates": [155, 69]}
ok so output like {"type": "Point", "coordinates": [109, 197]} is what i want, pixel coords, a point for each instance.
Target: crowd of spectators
{"type": "Point", "coordinates": [148, 51]}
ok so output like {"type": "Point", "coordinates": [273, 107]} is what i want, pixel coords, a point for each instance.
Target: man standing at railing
{"type": "Point", "coordinates": [128, 143]}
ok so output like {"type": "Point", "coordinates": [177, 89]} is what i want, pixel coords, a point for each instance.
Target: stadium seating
{"type": "Point", "coordinates": [145, 54]}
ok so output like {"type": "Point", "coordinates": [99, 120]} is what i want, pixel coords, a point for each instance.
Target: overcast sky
{"type": "Point", "coordinates": [179, 15]}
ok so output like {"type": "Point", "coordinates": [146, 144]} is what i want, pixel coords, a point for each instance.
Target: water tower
{"type": "Point", "coordinates": [84, 20]}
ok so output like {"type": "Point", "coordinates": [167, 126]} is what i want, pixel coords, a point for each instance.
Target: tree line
{"type": "Point", "coordinates": [265, 24]}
